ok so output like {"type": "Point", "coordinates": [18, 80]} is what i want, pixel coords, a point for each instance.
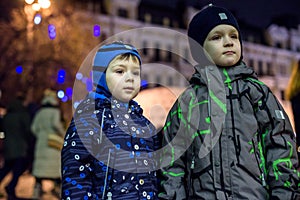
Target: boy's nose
{"type": "Point", "coordinates": [227, 41]}
{"type": "Point", "coordinates": [129, 77]}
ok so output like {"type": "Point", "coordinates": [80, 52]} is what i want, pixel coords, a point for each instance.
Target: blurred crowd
{"type": "Point", "coordinates": [25, 130]}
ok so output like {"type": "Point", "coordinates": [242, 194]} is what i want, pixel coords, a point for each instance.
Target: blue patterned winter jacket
{"type": "Point", "coordinates": [109, 152]}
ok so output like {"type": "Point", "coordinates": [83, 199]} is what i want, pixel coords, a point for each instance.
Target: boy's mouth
{"type": "Point", "coordinates": [128, 88]}
{"type": "Point", "coordinates": [229, 52]}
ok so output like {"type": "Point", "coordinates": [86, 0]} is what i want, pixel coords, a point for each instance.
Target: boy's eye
{"type": "Point", "coordinates": [215, 37]}
{"type": "Point", "coordinates": [119, 71]}
{"type": "Point", "coordinates": [136, 73]}
{"type": "Point", "coordinates": [235, 36]}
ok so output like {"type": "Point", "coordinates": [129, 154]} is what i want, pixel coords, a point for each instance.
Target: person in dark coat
{"type": "Point", "coordinates": [2, 134]}
{"type": "Point", "coordinates": [292, 94]}
{"type": "Point", "coordinates": [227, 137]}
{"type": "Point", "coordinates": [16, 126]}
{"type": "Point", "coordinates": [109, 148]}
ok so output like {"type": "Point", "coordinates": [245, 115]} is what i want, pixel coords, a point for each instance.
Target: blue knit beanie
{"type": "Point", "coordinates": [204, 21]}
{"type": "Point", "coordinates": [104, 56]}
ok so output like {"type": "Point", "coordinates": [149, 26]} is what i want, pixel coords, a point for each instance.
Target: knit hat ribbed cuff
{"type": "Point", "coordinates": [105, 55]}
{"type": "Point", "coordinates": [208, 18]}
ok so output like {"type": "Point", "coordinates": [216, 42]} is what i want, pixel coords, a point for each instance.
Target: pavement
{"type": "Point", "coordinates": [24, 189]}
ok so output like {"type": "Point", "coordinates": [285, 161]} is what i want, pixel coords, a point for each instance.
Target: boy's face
{"type": "Point", "coordinates": [123, 79]}
{"type": "Point", "coordinates": [223, 45]}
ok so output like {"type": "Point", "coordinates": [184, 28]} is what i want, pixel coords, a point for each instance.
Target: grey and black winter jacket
{"type": "Point", "coordinates": [228, 137]}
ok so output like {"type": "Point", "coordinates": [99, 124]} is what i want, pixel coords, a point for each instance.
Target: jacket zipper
{"type": "Point", "coordinates": [109, 195]}
{"type": "Point", "coordinates": [101, 126]}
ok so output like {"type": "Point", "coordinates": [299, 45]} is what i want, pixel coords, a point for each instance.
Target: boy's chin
{"type": "Point", "coordinates": [125, 99]}
{"type": "Point", "coordinates": [228, 64]}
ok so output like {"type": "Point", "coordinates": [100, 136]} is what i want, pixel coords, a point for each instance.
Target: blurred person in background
{"type": "Point", "coordinates": [2, 134]}
{"type": "Point", "coordinates": [292, 94]}
{"type": "Point", "coordinates": [2, 113]}
{"type": "Point", "coordinates": [46, 164]}
{"type": "Point", "coordinates": [16, 126]}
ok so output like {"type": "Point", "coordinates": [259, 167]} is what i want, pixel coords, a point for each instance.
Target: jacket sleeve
{"type": "Point", "coordinates": [278, 146]}
{"type": "Point", "coordinates": [57, 123]}
{"type": "Point", "coordinates": [177, 137]}
{"type": "Point", "coordinates": [77, 166]}
{"type": "Point", "coordinates": [26, 122]}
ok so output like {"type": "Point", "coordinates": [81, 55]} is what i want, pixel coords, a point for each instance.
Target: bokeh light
{"type": "Point", "coordinates": [51, 31]}
{"type": "Point", "coordinates": [64, 99]}
{"type": "Point", "coordinates": [44, 3]}
{"type": "Point", "coordinates": [19, 69]}
{"type": "Point", "coordinates": [37, 19]}
{"type": "Point", "coordinates": [69, 92]}
{"type": "Point", "coordinates": [79, 76]}
{"type": "Point", "coordinates": [97, 30]}
{"type": "Point", "coordinates": [144, 83]}
{"type": "Point", "coordinates": [29, 1]}
{"type": "Point", "coordinates": [89, 85]}
{"type": "Point", "coordinates": [36, 6]}
{"type": "Point", "coordinates": [61, 74]}
{"type": "Point", "coordinates": [76, 103]}
{"type": "Point", "coordinates": [60, 94]}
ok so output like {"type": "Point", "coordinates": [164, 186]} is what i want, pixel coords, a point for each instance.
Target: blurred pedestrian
{"type": "Point", "coordinates": [16, 127]}
{"type": "Point", "coordinates": [33, 105]}
{"type": "Point", "coordinates": [2, 134]}
{"type": "Point", "coordinates": [46, 164]}
{"type": "Point", "coordinates": [292, 94]}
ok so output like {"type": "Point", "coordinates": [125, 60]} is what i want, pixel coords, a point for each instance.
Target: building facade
{"type": "Point", "coordinates": [164, 47]}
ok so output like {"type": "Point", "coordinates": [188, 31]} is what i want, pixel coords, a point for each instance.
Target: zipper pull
{"type": "Point", "coordinates": [193, 164]}
{"type": "Point", "coordinates": [109, 196]}
{"type": "Point", "coordinates": [263, 180]}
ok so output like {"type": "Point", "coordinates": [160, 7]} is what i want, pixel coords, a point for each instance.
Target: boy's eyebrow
{"type": "Point", "coordinates": [124, 66]}
{"type": "Point", "coordinates": [221, 31]}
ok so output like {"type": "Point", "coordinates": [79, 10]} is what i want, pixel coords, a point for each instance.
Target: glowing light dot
{"type": "Point", "coordinates": [37, 19]}
{"type": "Point", "coordinates": [64, 99]}
{"type": "Point", "coordinates": [89, 85]}
{"type": "Point", "coordinates": [60, 94]}
{"type": "Point", "coordinates": [84, 80]}
{"type": "Point", "coordinates": [51, 31]}
{"type": "Point", "coordinates": [75, 105]}
{"type": "Point", "coordinates": [44, 3]}
{"type": "Point", "coordinates": [79, 76]}
{"type": "Point", "coordinates": [96, 30]}
{"type": "Point", "coordinates": [61, 74]}
{"type": "Point", "coordinates": [69, 91]}
{"type": "Point", "coordinates": [36, 6]}
{"type": "Point", "coordinates": [29, 1]}
{"type": "Point", "coordinates": [19, 69]}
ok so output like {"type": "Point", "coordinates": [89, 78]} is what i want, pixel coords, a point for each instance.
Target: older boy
{"type": "Point", "coordinates": [242, 143]}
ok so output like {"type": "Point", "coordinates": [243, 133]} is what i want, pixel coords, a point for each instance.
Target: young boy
{"type": "Point", "coordinates": [227, 136]}
{"type": "Point", "coordinates": [109, 147]}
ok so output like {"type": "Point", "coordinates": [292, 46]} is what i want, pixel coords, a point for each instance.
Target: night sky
{"type": "Point", "coordinates": [258, 12]}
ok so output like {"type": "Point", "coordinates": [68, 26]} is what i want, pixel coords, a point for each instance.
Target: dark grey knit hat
{"type": "Point", "coordinates": [202, 23]}
{"type": "Point", "coordinates": [208, 18]}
